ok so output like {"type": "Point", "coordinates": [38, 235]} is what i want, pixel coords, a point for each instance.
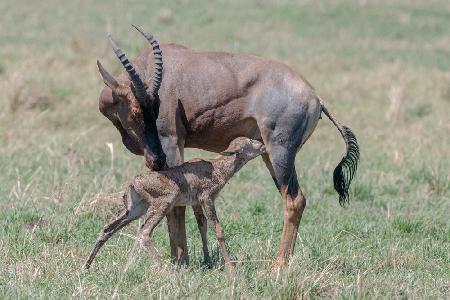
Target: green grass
{"type": "Point", "coordinates": [383, 67]}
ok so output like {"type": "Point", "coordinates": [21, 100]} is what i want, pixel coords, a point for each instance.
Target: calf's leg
{"type": "Point", "coordinates": [153, 218]}
{"type": "Point", "coordinates": [211, 215]}
{"type": "Point", "coordinates": [123, 219]}
{"type": "Point", "coordinates": [202, 227]}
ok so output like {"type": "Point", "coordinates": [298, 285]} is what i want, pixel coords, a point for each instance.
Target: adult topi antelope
{"type": "Point", "coordinates": [206, 99]}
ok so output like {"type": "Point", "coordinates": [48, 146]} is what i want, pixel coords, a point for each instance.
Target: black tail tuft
{"type": "Point", "coordinates": [346, 169]}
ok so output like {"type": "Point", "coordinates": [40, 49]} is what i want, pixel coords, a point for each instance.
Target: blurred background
{"type": "Point", "coordinates": [383, 68]}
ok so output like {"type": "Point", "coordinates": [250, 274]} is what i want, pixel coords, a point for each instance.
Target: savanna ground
{"type": "Point", "coordinates": [383, 67]}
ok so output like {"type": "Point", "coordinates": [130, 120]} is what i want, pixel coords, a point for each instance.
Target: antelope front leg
{"type": "Point", "coordinates": [202, 227]}
{"type": "Point", "coordinates": [173, 147]}
{"type": "Point", "coordinates": [177, 235]}
{"type": "Point", "coordinates": [211, 215]}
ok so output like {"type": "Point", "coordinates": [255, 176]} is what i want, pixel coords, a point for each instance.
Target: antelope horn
{"type": "Point", "coordinates": [107, 78]}
{"type": "Point", "coordinates": [157, 55]}
{"type": "Point", "coordinates": [139, 86]}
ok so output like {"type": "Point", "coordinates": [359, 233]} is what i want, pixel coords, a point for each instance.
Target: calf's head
{"type": "Point", "coordinates": [245, 148]}
{"type": "Point", "coordinates": [138, 105]}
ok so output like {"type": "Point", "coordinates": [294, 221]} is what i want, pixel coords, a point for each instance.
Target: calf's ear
{"type": "Point", "coordinates": [228, 153]}
{"type": "Point", "coordinates": [108, 79]}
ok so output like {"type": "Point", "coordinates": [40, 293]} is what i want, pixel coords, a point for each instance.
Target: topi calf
{"type": "Point", "coordinates": [196, 182]}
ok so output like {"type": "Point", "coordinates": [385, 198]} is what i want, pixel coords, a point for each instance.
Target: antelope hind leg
{"type": "Point", "coordinates": [294, 203]}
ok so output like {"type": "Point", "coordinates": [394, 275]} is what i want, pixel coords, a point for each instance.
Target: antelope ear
{"type": "Point", "coordinates": [108, 79]}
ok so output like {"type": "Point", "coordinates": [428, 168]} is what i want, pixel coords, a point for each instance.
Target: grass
{"type": "Point", "coordinates": [382, 67]}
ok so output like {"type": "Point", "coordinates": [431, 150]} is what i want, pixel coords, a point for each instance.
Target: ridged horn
{"type": "Point", "coordinates": [158, 61]}
{"type": "Point", "coordinates": [139, 86]}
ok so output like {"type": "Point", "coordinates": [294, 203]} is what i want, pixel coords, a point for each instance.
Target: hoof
{"type": "Point", "coordinates": [280, 264]}
{"type": "Point", "coordinates": [208, 264]}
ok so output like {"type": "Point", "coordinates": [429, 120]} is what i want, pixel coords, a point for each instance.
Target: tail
{"type": "Point", "coordinates": [346, 169]}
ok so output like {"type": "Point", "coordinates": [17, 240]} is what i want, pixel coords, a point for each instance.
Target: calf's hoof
{"type": "Point", "coordinates": [230, 268]}
{"type": "Point", "coordinates": [281, 263]}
